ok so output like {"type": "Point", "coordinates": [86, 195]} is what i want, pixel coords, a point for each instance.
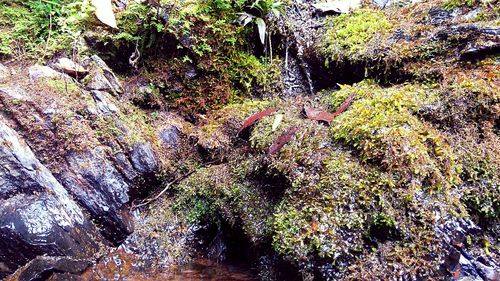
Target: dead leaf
{"type": "Point", "coordinates": [345, 105]}
{"type": "Point", "coordinates": [256, 117]}
{"type": "Point", "coordinates": [321, 115]}
{"type": "Point", "coordinates": [104, 12]}
{"type": "Point", "coordinates": [282, 140]}
{"type": "Point", "coordinates": [318, 114]}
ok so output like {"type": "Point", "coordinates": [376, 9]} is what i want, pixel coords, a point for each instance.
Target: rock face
{"type": "Point", "coordinates": [37, 216]}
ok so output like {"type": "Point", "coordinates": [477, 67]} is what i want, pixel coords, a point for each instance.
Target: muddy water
{"type": "Point", "coordinates": [206, 270]}
{"type": "Point", "coordinates": [120, 265]}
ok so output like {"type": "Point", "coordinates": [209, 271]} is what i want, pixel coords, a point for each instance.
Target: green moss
{"type": "Point", "coordinates": [349, 36]}
{"type": "Point", "coordinates": [451, 4]}
{"type": "Point", "coordinates": [63, 86]}
{"type": "Point", "coordinates": [382, 125]}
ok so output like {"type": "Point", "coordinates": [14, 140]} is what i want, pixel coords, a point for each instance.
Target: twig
{"type": "Point", "coordinates": [48, 37]}
{"type": "Point", "coordinates": [167, 187]}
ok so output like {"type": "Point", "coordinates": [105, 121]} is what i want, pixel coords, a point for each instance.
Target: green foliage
{"type": "Point", "coordinates": [451, 4]}
{"type": "Point", "coordinates": [349, 37]}
{"type": "Point", "coordinates": [40, 27]}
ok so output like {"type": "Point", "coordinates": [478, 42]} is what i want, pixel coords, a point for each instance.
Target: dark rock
{"type": "Point", "coordinates": [438, 16]}
{"type": "Point", "coordinates": [37, 216]}
{"type": "Point", "coordinates": [98, 186]}
{"type": "Point", "coordinates": [101, 77]}
{"type": "Point", "coordinates": [43, 268]}
{"type": "Point", "coordinates": [143, 158]}
{"type": "Point", "coordinates": [476, 51]}
{"type": "Point", "coordinates": [460, 263]}
{"type": "Point", "coordinates": [103, 102]}
{"type": "Point", "coordinates": [170, 137]}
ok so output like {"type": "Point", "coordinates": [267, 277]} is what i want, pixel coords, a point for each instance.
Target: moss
{"type": "Point", "coordinates": [349, 37]}
{"type": "Point", "coordinates": [382, 125]}
{"type": "Point", "coordinates": [40, 29]}
{"type": "Point", "coordinates": [63, 86]}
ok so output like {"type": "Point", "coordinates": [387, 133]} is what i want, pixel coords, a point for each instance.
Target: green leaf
{"type": "Point", "coordinates": [277, 121]}
{"type": "Point", "coordinates": [261, 25]}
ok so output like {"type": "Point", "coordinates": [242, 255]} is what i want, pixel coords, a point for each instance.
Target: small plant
{"type": "Point", "coordinates": [262, 8]}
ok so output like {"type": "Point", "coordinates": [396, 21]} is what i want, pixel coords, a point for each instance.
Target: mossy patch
{"type": "Point", "coordinates": [351, 37]}
{"type": "Point", "coordinates": [383, 126]}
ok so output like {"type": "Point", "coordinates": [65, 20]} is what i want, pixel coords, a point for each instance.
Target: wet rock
{"type": "Point", "coordinates": [170, 137]}
{"type": "Point", "coordinates": [439, 16]}
{"type": "Point", "coordinates": [96, 183]}
{"type": "Point", "coordinates": [37, 216]}
{"type": "Point", "coordinates": [43, 268]}
{"type": "Point", "coordinates": [4, 72]}
{"type": "Point", "coordinates": [103, 102]}
{"type": "Point", "coordinates": [479, 50]}
{"type": "Point", "coordinates": [70, 67]}
{"type": "Point", "coordinates": [101, 77]}
{"type": "Point", "coordinates": [143, 158]}
{"type": "Point", "coordinates": [459, 262]}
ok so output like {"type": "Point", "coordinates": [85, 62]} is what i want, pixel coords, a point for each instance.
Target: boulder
{"type": "Point", "coordinates": [104, 104]}
{"type": "Point", "coordinates": [101, 77]}
{"type": "Point", "coordinates": [70, 67]}
{"type": "Point", "coordinates": [37, 215]}
{"type": "Point", "coordinates": [38, 72]}
{"type": "Point", "coordinates": [101, 189]}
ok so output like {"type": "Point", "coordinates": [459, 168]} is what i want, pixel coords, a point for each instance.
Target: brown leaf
{"type": "Point", "coordinates": [282, 140]}
{"type": "Point", "coordinates": [318, 114]}
{"type": "Point", "coordinates": [321, 115]}
{"type": "Point", "coordinates": [256, 117]}
{"type": "Point", "coordinates": [345, 105]}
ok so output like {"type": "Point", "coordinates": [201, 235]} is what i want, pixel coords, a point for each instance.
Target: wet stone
{"type": "Point", "coordinates": [143, 158]}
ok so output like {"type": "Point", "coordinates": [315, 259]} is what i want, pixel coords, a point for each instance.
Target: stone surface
{"type": "Point", "coordinates": [38, 72]}
{"type": "Point", "coordinates": [104, 104]}
{"type": "Point", "coordinates": [170, 137]}
{"type": "Point", "coordinates": [15, 93]}
{"type": "Point", "coordinates": [97, 185]}
{"type": "Point", "coordinates": [143, 158]}
{"type": "Point", "coordinates": [101, 77]}
{"type": "Point", "coordinates": [70, 67]}
{"type": "Point", "coordinates": [37, 216]}
{"type": "Point", "coordinates": [43, 267]}
{"type": "Point", "coordinates": [4, 72]}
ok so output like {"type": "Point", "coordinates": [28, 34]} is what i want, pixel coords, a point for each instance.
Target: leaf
{"type": "Point", "coordinates": [256, 117]}
{"type": "Point", "coordinates": [261, 26]}
{"type": "Point", "coordinates": [277, 121]}
{"type": "Point", "coordinates": [245, 18]}
{"type": "Point", "coordinates": [318, 114]}
{"type": "Point", "coordinates": [104, 12]}
{"type": "Point", "coordinates": [345, 105]}
{"type": "Point", "coordinates": [321, 115]}
{"type": "Point", "coordinates": [282, 140]}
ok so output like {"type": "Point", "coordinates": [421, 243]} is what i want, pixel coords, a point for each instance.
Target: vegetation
{"type": "Point", "coordinates": [352, 37]}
